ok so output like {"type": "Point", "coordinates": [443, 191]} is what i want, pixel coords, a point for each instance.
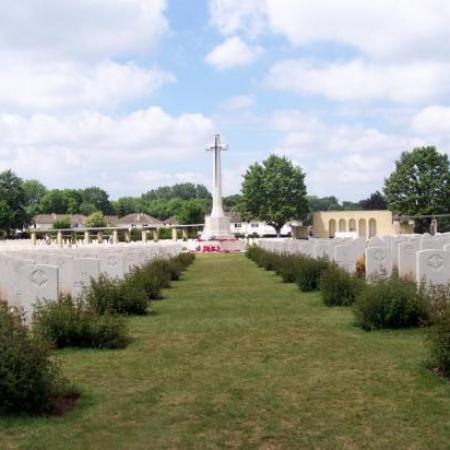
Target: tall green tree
{"type": "Point", "coordinates": [323, 203]}
{"type": "Point", "coordinates": [192, 212]}
{"type": "Point", "coordinates": [275, 192]}
{"type": "Point", "coordinates": [98, 198]}
{"type": "Point", "coordinates": [74, 200]}
{"type": "Point", "coordinates": [420, 184]}
{"type": "Point", "coordinates": [126, 205]}
{"type": "Point", "coordinates": [54, 201]}
{"type": "Point", "coordinates": [232, 202]}
{"type": "Point", "coordinates": [12, 202]}
{"type": "Point", "coordinates": [34, 191]}
{"type": "Point", "coordinates": [375, 201]}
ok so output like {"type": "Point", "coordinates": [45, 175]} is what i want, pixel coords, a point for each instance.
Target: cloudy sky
{"type": "Point", "coordinates": [126, 94]}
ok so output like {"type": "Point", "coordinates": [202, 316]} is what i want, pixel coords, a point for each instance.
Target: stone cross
{"type": "Point", "coordinates": [217, 209]}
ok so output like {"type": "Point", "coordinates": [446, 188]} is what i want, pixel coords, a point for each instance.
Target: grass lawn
{"type": "Point", "coordinates": [234, 358]}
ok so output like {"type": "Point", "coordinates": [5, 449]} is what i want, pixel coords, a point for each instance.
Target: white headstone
{"type": "Point", "coordinates": [378, 262]}
{"type": "Point", "coordinates": [433, 267]}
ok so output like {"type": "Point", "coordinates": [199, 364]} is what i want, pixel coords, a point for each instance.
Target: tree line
{"type": "Point", "coordinates": [21, 200]}
{"type": "Point", "coordinates": [273, 191]}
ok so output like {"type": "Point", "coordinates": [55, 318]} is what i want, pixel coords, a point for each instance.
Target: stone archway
{"type": "Point", "coordinates": [332, 228]}
{"type": "Point", "coordinates": [372, 228]}
{"type": "Point", "coordinates": [352, 225]}
{"type": "Point", "coordinates": [362, 228]}
{"type": "Point", "coordinates": [342, 225]}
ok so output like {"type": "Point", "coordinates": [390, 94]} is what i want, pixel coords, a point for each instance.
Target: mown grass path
{"type": "Point", "coordinates": [233, 358]}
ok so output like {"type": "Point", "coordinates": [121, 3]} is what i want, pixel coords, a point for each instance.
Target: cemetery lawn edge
{"type": "Point", "coordinates": [234, 358]}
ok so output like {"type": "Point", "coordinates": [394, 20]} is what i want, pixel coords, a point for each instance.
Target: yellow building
{"type": "Point", "coordinates": [365, 223]}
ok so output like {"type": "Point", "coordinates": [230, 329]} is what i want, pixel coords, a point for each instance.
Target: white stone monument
{"type": "Point", "coordinates": [217, 225]}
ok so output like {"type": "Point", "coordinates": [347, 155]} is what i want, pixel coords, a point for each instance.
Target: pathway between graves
{"type": "Point", "coordinates": [234, 358]}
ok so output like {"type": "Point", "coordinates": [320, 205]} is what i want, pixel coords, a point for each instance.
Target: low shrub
{"type": "Point", "coordinates": [338, 287]}
{"type": "Point", "coordinates": [289, 267]}
{"type": "Point", "coordinates": [69, 323]}
{"type": "Point", "coordinates": [148, 280]}
{"type": "Point", "coordinates": [308, 278]}
{"type": "Point", "coordinates": [30, 380]}
{"type": "Point", "coordinates": [107, 295]}
{"type": "Point", "coordinates": [253, 252]}
{"type": "Point", "coordinates": [390, 303]}
{"type": "Point", "coordinates": [163, 272]}
{"type": "Point", "coordinates": [185, 259]}
{"type": "Point", "coordinates": [438, 333]}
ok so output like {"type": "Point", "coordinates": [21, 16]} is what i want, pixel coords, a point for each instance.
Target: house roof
{"type": "Point", "coordinates": [171, 221]}
{"type": "Point", "coordinates": [139, 219]}
{"type": "Point", "coordinates": [112, 220]}
{"type": "Point", "coordinates": [48, 219]}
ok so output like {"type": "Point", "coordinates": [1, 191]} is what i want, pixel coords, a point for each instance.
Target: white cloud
{"type": "Point", "coordinates": [231, 16]}
{"type": "Point", "coordinates": [342, 160]}
{"type": "Point", "coordinates": [73, 150]}
{"type": "Point", "coordinates": [238, 102]}
{"type": "Point", "coordinates": [234, 52]}
{"type": "Point", "coordinates": [68, 85]}
{"type": "Point", "coordinates": [434, 121]}
{"type": "Point", "coordinates": [382, 29]}
{"type": "Point", "coordinates": [362, 80]}
{"type": "Point", "coordinates": [81, 28]}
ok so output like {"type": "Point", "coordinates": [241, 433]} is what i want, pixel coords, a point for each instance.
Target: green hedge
{"type": "Point", "coordinates": [338, 287]}
{"type": "Point", "coordinates": [390, 303]}
{"type": "Point", "coordinates": [301, 269]}
{"type": "Point", "coordinates": [69, 323]}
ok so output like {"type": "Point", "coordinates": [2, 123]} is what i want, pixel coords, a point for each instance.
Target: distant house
{"type": "Point", "coordinates": [254, 227]}
{"type": "Point", "coordinates": [170, 221]}
{"type": "Point", "coordinates": [45, 221]}
{"type": "Point", "coordinates": [138, 220]}
{"type": "Point", "coordinates": [112, 221]}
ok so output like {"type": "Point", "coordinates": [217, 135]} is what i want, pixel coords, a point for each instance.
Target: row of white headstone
{"type": "Point", "coordinates": [28, 275]}
{"type": "Point", "coordinates": [422, 258]}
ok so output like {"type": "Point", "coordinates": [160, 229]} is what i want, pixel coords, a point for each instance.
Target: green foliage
{"type": "Point", "coordinates": [193, 212]}
{"type": "Point", "coordinates": [390, 303]}
{"type": "Point", "coordinates": [375, 201]}
{"type": "Point", "coordinates": [232, 202]}
{"type": "Point", "coordinates": [12, 202]}
{"type": "Point", "coordinates": [185, 260]}
{"type": "Point", "coordinates": [275, 191]}
{"type": "Point", "coordinates": [96, 220]}
{"type": "Point", "coordinates": [323, 204]}
{"type": "Point", "coordinates": [338, 287]}
{"type": "Point", "coordinates": [61, 224]}
{"type": "Point", "coordinates": [183, 191]}
{"type": "Point", "coordinates": [98, 198]}
{"type": "Point", "coordinates": [308, 278]}
{"type": "Point", "coordinates": [30, 380]}
{"type": "Point", "coordinates": [158, 274]}
{"type": "Point", "coordinates": [420, 184]}
{"type": "Point", "coordinates": [438, 331]}
{"type": "Point", "coordinates": [54, 201]}
{"type": "Point", "coordinates": [107, 295]}
{"type": "Point", "coordinates": [303, 270]}
{"type": "Point", "coordinates": [148, 280]}
{"type": "Point", "coordinates": [87, 208]}
{"type": "Point", "coordinates": [69, 323]}
{"type": "Point", "coordinates": [34, 192]}
{"type": "Point", "coordinates": [127, 205]}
